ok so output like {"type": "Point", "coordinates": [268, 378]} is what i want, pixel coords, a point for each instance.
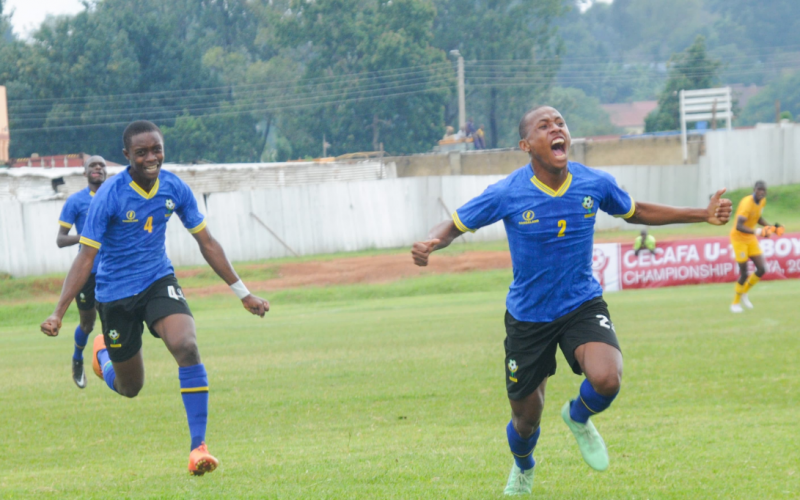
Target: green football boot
{"type": "Point", "coordinates": [519, 483]}
{"type": "Point", "coordinates": [589, 440]}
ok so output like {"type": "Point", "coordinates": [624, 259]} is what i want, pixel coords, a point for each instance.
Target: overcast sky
{"type": "Point", "coordinates": [29, 14]}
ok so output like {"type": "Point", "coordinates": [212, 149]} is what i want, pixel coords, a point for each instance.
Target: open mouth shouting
{"type": "Point", "coordinates": [559, 148]}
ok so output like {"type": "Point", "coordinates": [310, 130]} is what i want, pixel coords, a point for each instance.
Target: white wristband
{"type": "Point", "coordinates": [758, 231]}
{"type": "Point", "coordinates": [240, 290]}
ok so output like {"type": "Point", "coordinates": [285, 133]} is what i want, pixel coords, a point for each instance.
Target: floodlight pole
{"type": "Point", "coordinates": [462, 101]}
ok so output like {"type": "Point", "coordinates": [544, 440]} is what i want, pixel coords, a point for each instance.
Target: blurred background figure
{"type": "Point", "coordinates": [644, 242]}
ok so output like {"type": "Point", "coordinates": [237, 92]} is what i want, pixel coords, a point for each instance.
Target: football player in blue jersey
{"type": "Point", "coordinates": [549, 208]}
{"type": "Point", "coordinates": [136, 282]}
{"type": "Point", "coordinates": [74, 213]}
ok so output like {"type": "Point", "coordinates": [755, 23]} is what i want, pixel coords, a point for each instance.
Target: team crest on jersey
{"type": "Point", "coordinates": [114, 336]}
{"type": "Point", "coordinates": [512, 369]}
{"type": "Point", "coordinates": [130, 216]}
{"type": "Point", "coordinates": [170, 204]}
{"type": "Point", "coordinates": [588, 204]}
{"type": "Point", "coordinates": [528, 217]}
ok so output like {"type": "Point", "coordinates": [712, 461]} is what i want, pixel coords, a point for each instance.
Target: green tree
{"type": "Point", "coordinates": [88, 75]}
{"type": "Point", "coordinates": [356, 90]}
{"type": "Point", "coordinates": [689, 70]}
{"type": "Point", "coordinates": [511, 48]}
{"type": "Point", "coordinates": [761, 107]}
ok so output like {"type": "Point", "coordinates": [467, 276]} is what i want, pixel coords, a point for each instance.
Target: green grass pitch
{"type": "Point", "coordinates": [397, 391]}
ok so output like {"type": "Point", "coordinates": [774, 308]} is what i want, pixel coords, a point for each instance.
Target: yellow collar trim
{"type": "Point", "coordinates": [91, 193]}
{"type": "Point", "coordinates": [549, 191]}
{"type": "Point", "coordinates": [143, 193]}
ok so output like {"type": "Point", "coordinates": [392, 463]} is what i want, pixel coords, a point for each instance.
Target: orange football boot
{"type": "Point", "coordinates": [98, 345]}
{"type": "Point", "coordinates": [201, 461]}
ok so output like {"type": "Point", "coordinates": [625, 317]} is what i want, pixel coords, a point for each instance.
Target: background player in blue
{"type": "Point", "coordinates": [74, 213]}
{"type": "Point", "coordinates": [135, 281]}
{"type": "Point", "coordinates": [549, 208]}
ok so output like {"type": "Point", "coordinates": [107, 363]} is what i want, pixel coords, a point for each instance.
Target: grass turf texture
{"type": "Point", "coordinates": [397, 391]}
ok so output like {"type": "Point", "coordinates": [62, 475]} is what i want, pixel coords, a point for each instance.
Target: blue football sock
{"type": "Point", "coordinates": [80, 342]}
{"type": "Point", "coordinates": [588, 403]}
{"type": "Point", "coordinates": [522, 448]}
{"type": "Point", "coordinates": [109, 375]}
{"type": "Point", "coordinates": [194, 391]}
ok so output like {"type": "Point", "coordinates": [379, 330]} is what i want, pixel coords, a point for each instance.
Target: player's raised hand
{"type": "Point", "coordinates": [256, 305]}
{"type": "Point", "coordinates": [422, 250]}
{"type": "Point", "coordinates": [51, 326]}
{"type": "Point", "coordinates": [719, 209]}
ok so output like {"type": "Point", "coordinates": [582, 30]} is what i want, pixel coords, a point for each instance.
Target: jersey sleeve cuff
{"type": "Point", "coordinates": [460, 225]}
{"type": "Point", "coordinates": [89, 243]}
{"type": "Point", "coordinates": [65, 224]}
{"type": "Point", "coordinates": [630, 212]}
{"type": "Point", "coordinates": [198, 228]}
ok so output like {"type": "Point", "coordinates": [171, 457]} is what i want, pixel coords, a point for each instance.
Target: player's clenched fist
{"type": "Point", "coordinates": [256, 305]}
{"type": "Point", "coordinates": [422, 250]}
{"type": "Point", "coordinates": [51, 326]}
{"type": "Point", "coordinates": [719, 209]}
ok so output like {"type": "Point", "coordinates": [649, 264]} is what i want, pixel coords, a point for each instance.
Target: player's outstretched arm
{"type": "Point", "coordinates": [717, 213]}
{"type": "Point", "coordinates": [76, 278]}
{"type": "Point", "coordinates": [215, 256]}
{"type": "Point", "coordinates": [439, 237]}
{"type": "Point", "coordinates": [64, 239]}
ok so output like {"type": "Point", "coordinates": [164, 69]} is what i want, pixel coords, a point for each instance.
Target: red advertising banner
{"type": "Point", "coordinates": [702, 260]}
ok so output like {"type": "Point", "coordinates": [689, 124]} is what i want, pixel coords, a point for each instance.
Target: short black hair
{"type": "Point", "coordinates": [523, 123]}
{"type": "Point", "coordinates": [139, 127]}
{"type": "Point", "coordinates": [760, 184]}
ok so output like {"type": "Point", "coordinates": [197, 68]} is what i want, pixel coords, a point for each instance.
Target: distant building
{"type": "Point", "coordinates": [630, 115]}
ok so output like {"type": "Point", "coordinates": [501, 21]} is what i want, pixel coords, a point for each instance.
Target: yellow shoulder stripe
{"type": "Point", "coordinates": [460, 225]}
{"type": "Point", "coordinates": [198, 228]}
{"type": "Point", "coordinates": [64, 224]}
{"type": "Point", "coordinates": [89, 243]}
{"type": "Point", "coordinates": [630, 212]}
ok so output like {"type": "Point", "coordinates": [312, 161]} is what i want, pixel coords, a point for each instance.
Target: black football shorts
{"type": "Point", "coordinates": [85, 298]}
{"type": "Point", "coordinates": [123, 319]}
{"type": "Point", "coordinates": [531, 347]}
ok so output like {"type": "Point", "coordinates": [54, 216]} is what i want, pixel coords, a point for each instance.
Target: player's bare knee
{"type": "Point", "coordinates": [186, 352]}
{"type": "Point", "coordinates": [526, 425]}
{"type": "Point", "coordinates": [607, 383]}
{"type": "Point", "coordinates": [130, 390]}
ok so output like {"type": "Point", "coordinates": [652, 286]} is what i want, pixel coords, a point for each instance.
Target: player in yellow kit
{"type": "Point", "coordinates": [745, 242]}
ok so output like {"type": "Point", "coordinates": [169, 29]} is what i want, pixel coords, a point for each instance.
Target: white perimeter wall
{"type": "Point", "coordinates": [314, 218]}
{"type": "Point", "coordinates": [348, 216]}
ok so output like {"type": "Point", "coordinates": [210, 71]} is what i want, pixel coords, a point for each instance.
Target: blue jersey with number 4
{"type": "Point", "coordinates": [75, 211]}
{"type": "Point", "coordinates": [130, 225]}
{"type": "Point", "coordinates": [550, 235]}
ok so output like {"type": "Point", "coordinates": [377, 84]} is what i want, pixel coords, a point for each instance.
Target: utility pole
{"type": "Point", "coordinates": [325, 146]}
{"type": "Point", "coordinates": [462, 102]}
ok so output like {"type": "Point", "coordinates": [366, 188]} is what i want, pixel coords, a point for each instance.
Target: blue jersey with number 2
{"type": "Point", "coordinates": [130, 225]}
{"type": "Point", "coordinates": [550, 236]}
